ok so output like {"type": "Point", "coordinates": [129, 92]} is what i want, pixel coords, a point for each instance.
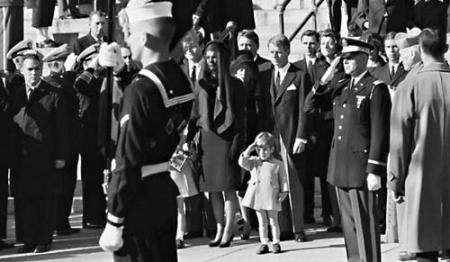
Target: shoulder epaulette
{"type": "Point", "coordinates": [169, 98]}
{"type": "Point", "coordinates": [377, 82]}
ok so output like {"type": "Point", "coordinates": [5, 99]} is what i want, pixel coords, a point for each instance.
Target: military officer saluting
{"type": "Point", "coordinates": [64, 80]}
{"type": "Point", "coordinates": [16, 54]}
{"type": "Point", "coordinates": [361, 106]}
{"type": "Point", "coordinates": [142, 208]}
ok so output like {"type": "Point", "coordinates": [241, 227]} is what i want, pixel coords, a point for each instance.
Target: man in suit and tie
{"type": "Point", "coordinates": [199, 214]}
{"type": "Point", "coordinates": [287, 90]}
{"type": "Point", "coordinates": [310, 42]}
{"type": "Point", "coordinates": [95, 35]}
{"type": "Point", "coordinates": [393, 72]}
{"type": "Point", "coordinates": [310, 64]}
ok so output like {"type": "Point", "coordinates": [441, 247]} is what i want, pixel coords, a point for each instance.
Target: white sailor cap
{"type": "Point", "coordinates": [143, 10]}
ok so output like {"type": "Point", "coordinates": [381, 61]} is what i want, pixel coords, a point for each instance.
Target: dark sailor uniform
{"type": "Point", "coordinates": [360, 146]}
{"type": "Point", "coordinates": [155, 106]}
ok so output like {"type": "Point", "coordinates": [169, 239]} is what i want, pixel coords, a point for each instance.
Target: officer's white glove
{"type": "Point", "coordinates": [111, 239]}
{"type": "Point", "coordinates": [70, 62]}
{"type": "Point", "coordinates": [299, 145]}
{"type": "Point", "coordinates": [331, 70]}
{"type": "Point", "coordinates": [111, 56]}
{"type": "Point", "coordinates": [373, 182]}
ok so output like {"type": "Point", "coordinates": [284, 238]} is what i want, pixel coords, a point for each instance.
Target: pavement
{"type": "Point", "coordinates": [83, 247]}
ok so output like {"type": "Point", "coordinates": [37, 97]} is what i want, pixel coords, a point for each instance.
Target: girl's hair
{"type": "Point", "coordinates": [266, 138]}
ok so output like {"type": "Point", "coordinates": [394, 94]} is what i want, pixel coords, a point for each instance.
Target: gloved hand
{"type": "Point", "coordinates": [111, 239]}
{"type": "Point", "coordinates": [111, 56]}
{"type": "Point", "coordinates": [373, 182]}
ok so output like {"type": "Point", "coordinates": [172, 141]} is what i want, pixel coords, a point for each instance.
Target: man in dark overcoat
{"type": "Point", "coordinates": [361, 108]}
{"type": "Point", "coordinates": [88, 85]}
{"type": "Point", "coordinates": [39, 119]}
{"type": "Point", "coordinates": [153, 110]}
{"type": "Point", "coordinates": [64, 81]}
{"type": "Point", "coordinates": [287, 91]}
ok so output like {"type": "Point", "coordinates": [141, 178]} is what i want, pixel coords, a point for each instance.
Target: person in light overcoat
{"type": "Point", "coordinates": [419, 151]}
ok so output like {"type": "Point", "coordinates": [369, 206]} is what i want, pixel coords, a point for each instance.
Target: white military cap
{"type": "Point", "coordinates": [143, 10]}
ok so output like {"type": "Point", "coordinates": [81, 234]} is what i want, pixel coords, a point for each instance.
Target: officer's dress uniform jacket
{"type": "Point", "coordinates": [154, 107]}
{"type": "Point", "coordinates": [361, 134]}
{"type": "Point", "coordinates": [360, 146]}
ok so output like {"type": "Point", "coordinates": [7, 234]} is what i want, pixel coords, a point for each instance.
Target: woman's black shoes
{"type": "Point", "coordinates": [214, 243]}
{"type": "Point", "coordinates": [228, 243]}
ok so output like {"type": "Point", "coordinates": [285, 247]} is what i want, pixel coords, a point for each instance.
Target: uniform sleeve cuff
{"type": "Point", "coordinates": [376, 167]}
{"type": "Point", "coordinates": [113, 220]}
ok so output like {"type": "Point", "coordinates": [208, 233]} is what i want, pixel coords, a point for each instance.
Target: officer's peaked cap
{"type": "Point", "coordinates": [88, 52]}
{"type": "Point", "coordinates": [59, 53]}
{"type": "Point", "coordinates": [20, 48]}
{"type": "Point", "coordinates": [355, 44]}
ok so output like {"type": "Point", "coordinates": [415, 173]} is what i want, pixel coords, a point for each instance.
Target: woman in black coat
{"type": "Point", "coordinates": [220, 118]}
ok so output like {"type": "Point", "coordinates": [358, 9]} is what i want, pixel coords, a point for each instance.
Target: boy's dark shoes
{"type": "Point", "coordinates": [300, 237]}
{"type": "Point", "coordinates": [276, 249]}
{"type": "Point", "coordinates": [263, 249]}
{"type": "Point", "coordinates": [4, 245]}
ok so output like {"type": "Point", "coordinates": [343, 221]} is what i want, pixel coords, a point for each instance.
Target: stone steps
{"type": "Point", "coordinates": [267, 24]}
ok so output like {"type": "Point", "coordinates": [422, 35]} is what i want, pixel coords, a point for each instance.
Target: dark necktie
{"type": "Point", "coordinates": [309, 67]}
{"type": "Point", "coordinates": [392, 71]}
{"type": "Point", "coordinates": [193, 74]}
{"type": "Point", "coordinates": [278, 80]}
{"type": "Point", "coordinates": [277, 84]}
{"type": "Point", "coordinates": [30, 92]}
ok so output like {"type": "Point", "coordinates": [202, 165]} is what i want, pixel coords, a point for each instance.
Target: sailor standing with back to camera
{"type": "Point", "coordinates": [142, 209]}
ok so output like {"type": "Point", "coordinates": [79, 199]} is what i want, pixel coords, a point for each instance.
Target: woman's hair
{"type": "Point", "coordinates": [266, 138]}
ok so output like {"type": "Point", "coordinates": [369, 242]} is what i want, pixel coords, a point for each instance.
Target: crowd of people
{"type": "Point", "coordinates": [366, 114]}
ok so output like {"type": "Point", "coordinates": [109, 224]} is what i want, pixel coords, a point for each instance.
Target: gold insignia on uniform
{"type": "Point", "coordinates": [360, 99]}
